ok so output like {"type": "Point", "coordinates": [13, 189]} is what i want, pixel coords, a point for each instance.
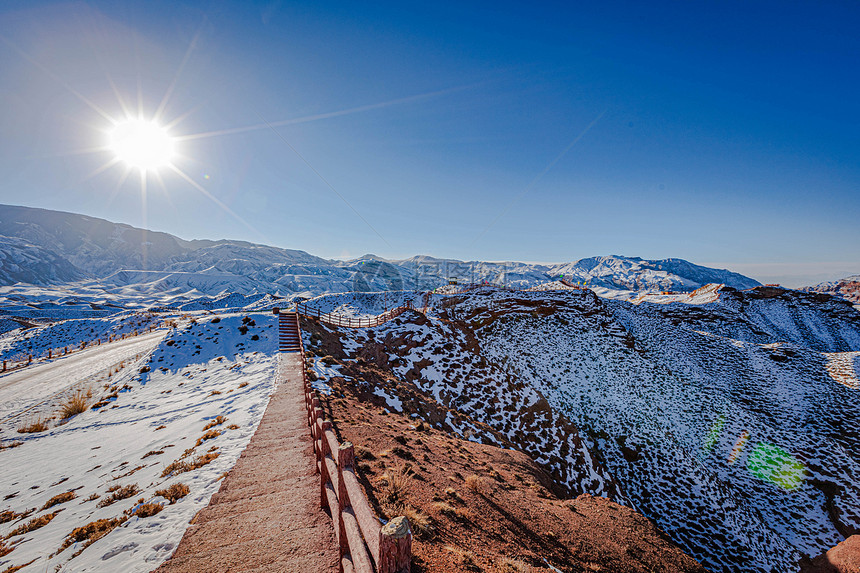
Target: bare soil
{"type": "Point", "coordinates": [487, 508]}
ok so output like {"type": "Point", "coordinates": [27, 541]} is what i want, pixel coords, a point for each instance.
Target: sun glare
{"type": "Point", "coordinates": [142, 144]}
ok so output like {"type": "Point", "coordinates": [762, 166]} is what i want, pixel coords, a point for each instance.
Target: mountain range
{"type": "Point", "coordinates": [44, 247]}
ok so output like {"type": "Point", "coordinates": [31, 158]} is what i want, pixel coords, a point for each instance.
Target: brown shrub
{"type": "Point", "coordinates": [217, 421]}
{"type": "Point", "coordinates": [233, 427]}
{"type": "Point", "coordinates": [9, 445]}
{"type": "Point", "coordinates": [174, 493]}
{"type": "Point", "coordinates": [210, 435]}
{"type": "Point", "coordinates": [8, 515]}
{"type": "Point", "coordinates": [92, 531]}
{"type": "Point", "coordinates": [147, 510]}
{"type": "Point", "coordinates": [59, 498]}
{"type": "Point", "coordinates": [152, 453]}
{"type": "Point", "coordinates": [181, 466]}
{"type": "Point", "coordinates": [118, 493]}
{"type": "Point", "coordinates": [33, 524]}
{"type": "Point", "coordinates": [5, 549]}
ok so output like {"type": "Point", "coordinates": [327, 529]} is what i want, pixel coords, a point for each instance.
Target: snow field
{"type": "Point", "coordinates": [201, 370]}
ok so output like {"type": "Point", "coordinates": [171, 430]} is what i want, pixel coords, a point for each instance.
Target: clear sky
{"type": "Point", "coordinates": [724, 133]}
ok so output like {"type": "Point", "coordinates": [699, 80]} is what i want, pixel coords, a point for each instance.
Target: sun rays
{"type": "Point", "coordinates": [150, 144]}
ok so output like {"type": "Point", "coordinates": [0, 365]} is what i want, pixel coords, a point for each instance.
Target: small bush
{"type": "Point", "coordinates": [8, 515]}
{"type": "Point", "coordinates": [33, 524]}
{"type": "Point", "coordinates": [210, 435]}
{"type": "Point", "coordinates": [243, 384]}
{"type": "Point", "coordinates": [5, 549]}
{"type": "Point", "coordinates": [38, 425]}
{"type": "Point", "coordinates": [147, 510]}
{"type": "Point", "coordinates": [217, 421]}
{"type": "Point", "coordinates": [233, 427]}
{"type": "Point", "coordinates": [216, 320]}
{"type": "Point", "coordinates": [118, 493]}
{"type": "Point", "coordinates": [58, 499]}
{"type": "Point", "coordinates": [92, 532]}
{"type": "Point", "coordinates": [243, 329]}
{"type": "Point", "coordinates": [174, 493]}
{"type": "Point", "coordinates": [255, 337]}
{"type": "Point", "coordinates": [74, 405]}
{"type": "Point", "coordinates": [182, 466]}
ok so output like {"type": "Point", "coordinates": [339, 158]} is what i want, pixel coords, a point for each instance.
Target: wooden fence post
{"type": "Point", "coordinates": [345, 458]}
{"type": "Point", "coordinates": [395, 546]}
{"type": "Point", "coordinates": [324, 477]}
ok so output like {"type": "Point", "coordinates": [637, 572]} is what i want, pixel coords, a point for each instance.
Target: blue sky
{"type": "Point", "coordinates": [722, 133]}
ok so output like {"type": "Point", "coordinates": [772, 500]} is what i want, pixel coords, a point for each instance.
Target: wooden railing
{"type": "Point", "coordinates": [350, 321]}
{"type": "Point", "coordinates": [362, 541]}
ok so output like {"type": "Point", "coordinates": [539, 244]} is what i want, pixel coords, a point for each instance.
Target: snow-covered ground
{"type": "Point", "coordinates": [153, 413]}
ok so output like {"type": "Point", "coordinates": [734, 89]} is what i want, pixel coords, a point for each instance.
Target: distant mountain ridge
{"type": "Point", "coordinates": [46, 247]}
{"type": "Point", "coordinates": [847, 288]}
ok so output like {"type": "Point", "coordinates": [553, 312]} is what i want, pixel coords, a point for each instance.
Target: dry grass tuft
{"type": "Point", "coordinates": [33, 524]}
{"type": "Point", "coordinates": [9, 445]}
{"type": "Point", "coordinates": [59, 498]}
{"type": "Point", "coordinates": [217, 421]}
{"type": "Point", "coordinates": [233, 427]}
{"type": "Point", "coordinates": [420, 522]}
{"type": "Point", "coordinates": [465, 558]}
{"type": "Point", "coordinates": [8, 515]}
{"type": "Point", "coordinates": [476, 484]}
{"type": "Point", "coordinates": [92, 532]}
{"type": "Point", "coordinates": [146, 510]}
{"type": "Point", "coordinates": [394, 488]}
{"type": "Point", "coordinates": [448, 510]}
{"type": "Point", "coordinates": [74, 405]}
{"type": "Point", "coordinates": [37, 425]}
{"type": "Point", "coordinates": [5, 549]}
{"type": "Point", "coordinates": [181, 466]}
{"type": "Point", "coordinates": [174, 493]}
{"type": "Point", "coordinates": [516, 566]}
{"type": "Point", "coordinates": [119, 493]}
{"type": "Point", "coordinates": [210, 435]}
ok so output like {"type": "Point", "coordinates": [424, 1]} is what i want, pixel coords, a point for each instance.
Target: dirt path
{"type": "Point", "coordinates": [266, 516]}
{"type": "Point", "coordinates": [23, 388]}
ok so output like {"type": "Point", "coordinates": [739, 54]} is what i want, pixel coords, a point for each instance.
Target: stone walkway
{"type": "Point", "coordinates": [266, 517]}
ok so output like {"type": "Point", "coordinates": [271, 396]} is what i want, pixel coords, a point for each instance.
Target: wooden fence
{"type": "Point", "coordinates": [362, 540]}
{"type": "Point", "coordinates": [349, 321]}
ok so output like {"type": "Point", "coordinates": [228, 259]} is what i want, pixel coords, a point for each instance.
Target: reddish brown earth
{"type": "Point", "coordinates": [844, 558]}
{"type": "Point", "coordinates": [266, 517]}
{"type": "Point", "coordinates": [486, 508]}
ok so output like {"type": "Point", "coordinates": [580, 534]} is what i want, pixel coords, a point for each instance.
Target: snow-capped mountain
{"type": "Point", "coordinates": [128, 261]}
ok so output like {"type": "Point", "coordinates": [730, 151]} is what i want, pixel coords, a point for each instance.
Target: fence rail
{"type": "Point", "coordinates": [350, 321]}
{"type": "Point", "coordinates": [365, 545]}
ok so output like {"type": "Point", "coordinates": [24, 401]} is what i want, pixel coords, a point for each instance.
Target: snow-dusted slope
{"type": "Point", "coordinates": [23, 262]}
{"type": "Point", "coordinates": [730, 420]}
{"type": "Point", "coordinates": [150, 423]}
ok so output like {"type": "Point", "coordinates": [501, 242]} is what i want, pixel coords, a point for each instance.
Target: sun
{"type": "Point", "coordinates": [142, 144]}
